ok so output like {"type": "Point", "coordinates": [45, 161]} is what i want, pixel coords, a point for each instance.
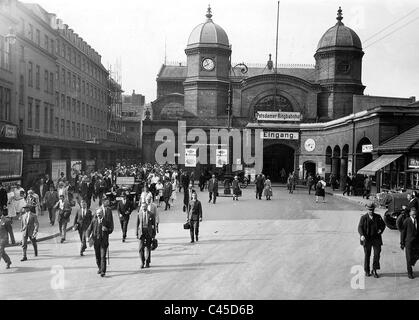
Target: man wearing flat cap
{"type": "Point", "coordinates": [370, 228]}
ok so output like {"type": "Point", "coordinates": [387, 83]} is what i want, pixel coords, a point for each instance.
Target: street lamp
{"type": "Point", "coordinates": [228, 175]}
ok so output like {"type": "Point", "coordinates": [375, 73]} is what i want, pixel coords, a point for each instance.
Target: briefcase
{"type": "Point", "coordinates": [154, 244]}
{"type": "Point", "coordinates": [186, 226]}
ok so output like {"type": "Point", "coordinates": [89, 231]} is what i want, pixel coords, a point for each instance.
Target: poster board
{"type": "Point", "coordinates": [190, 157]}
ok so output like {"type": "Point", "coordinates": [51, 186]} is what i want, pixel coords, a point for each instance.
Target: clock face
{"type": "Point", "coordinates": [208, 64]}
{"type": "Point", "coordinates": [310, 145]}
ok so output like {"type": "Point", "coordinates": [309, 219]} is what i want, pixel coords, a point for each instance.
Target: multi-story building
{"type": "Point", "coordinates": [132, 117]}
{"type": "Point", "coordinates": [60, 108]}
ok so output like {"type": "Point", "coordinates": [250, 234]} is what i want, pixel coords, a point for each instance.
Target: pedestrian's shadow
{"type": "Point", "coordinates": [20, 269]}
{"type": "Point", "coordinates": [393, 275]}
{"type": "Point", "coordinates": [156, 269]}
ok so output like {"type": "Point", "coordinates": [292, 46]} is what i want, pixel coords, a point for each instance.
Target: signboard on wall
{"type": "Point", "coordinates": [413, 162]}
{"type": "Point", "coordinates": [190, 158]}
{"type": "Point", "coordinates": [278, 116]}
{"type": "Point", "coordinates": [276, 135]}
{"type": "Point", "coordinates": [221, 157]}
{"type": "Point", "coordinates": [366, 148]}
{"type": "Point", "coordinates": [58, 166]}
{"type": "Point", "coordinates": [11, 163]}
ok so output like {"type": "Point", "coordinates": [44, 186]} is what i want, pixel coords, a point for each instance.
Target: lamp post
{"type": "Point", "coordinates": [228, 175]}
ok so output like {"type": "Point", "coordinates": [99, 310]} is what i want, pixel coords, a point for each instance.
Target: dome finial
{"type": "Point", "coordinates": [339, 17]}
{"type": "Point", "coordinates": [209, 15]}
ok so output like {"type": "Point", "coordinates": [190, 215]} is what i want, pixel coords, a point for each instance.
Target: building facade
{"type": "Point", "coordinates": [59, 95]}
{"type": "Point", "coordinates": [315, 118]}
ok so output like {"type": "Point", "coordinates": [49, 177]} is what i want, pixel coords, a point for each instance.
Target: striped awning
{"type": "Point", "coordinates": [379, 163]}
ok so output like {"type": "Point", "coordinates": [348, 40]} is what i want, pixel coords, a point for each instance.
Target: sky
{"type": "Point", "coordinates": [138, 34]}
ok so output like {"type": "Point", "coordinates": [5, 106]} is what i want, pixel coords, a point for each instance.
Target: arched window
{"type": "Point", "coordinates": [273, 103]}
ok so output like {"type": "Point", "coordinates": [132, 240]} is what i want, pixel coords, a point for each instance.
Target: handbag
{"type": "Point", "coordinates": [186, 226]}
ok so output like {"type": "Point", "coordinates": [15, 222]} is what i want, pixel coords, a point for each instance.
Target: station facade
{"type": "Point", "coordinates": [315, 118]}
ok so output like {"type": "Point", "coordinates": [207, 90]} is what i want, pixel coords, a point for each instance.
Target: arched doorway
{"type": "Point", "coordinates": [362, 158]}
{"type": "Point", "coordinates": [309, 168]}
{"type": "Point", "coordinates": [275, 158]}
{"type": "Point", "coordinates": [336, 162]}
{"type": "Point", "coordinates": [328, 162]}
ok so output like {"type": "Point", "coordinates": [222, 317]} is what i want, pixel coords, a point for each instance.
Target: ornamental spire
{"type": "Point", "coordinates": [339, 17]}
{"type": "Point", "coordinates": [209, 15]}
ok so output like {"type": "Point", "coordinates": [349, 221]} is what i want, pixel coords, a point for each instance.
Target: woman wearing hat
{"type": "Point", "coordinates": [236, 188]}
{"type": "Point", "coordinates": [268, 189]}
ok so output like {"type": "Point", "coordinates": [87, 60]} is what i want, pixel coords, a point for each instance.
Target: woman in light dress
{"type": "Point", "coordinates": [267, 192]}
{"type": "Point", "coordinates": [174, 192]}
{"type": "Point", "coordinates": [159, 192]}
{"type": "Point", "coordinates": [11, 208]}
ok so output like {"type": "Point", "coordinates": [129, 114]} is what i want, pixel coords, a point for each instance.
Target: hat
{"type": "Point", "coordinates": [26, 206]}
{"type": "Point", "coordinates": [370, 206]}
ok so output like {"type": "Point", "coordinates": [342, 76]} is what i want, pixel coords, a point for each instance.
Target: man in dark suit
{"type": "Point", "coordinates": [48, 182]}
{"type": "Point", "coordinates": [194, 216]}
{"type": "Point", "coordinates": [167, 193]}
{"type": "Point", "coordinates": [413, 202]}
{"type": "Point", "coordinates": [29, 230]}
{"type": "Point", "coordinates": [99, 230]}
{"type": "Point", "coordinates": [213, 189]}
{"type": "Point", "coordinates": [146, 232]}
{"type": "Point", "coordinates": [124, 208]}
{"type": "Point", "coordinates": [260, 184]}
{"type": "Point", "coordinates": [409, 240]}
{"type": "Point", "coordinates": [370, 228]}
{"type": "Point", "coordinates": [187, 196]}
{"type": "Point", "coordinates": [5, 231]}
{"type": "Point", "coordinates": [82, 222]}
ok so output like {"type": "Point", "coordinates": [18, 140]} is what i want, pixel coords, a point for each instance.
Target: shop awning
{"type": "Point", "coordinates": [379, 163]}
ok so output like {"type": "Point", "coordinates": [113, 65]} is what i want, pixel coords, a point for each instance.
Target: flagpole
{"type": "Point", "coordinates": [276, 56]}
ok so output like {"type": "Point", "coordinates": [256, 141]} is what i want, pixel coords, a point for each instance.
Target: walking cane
{"type": "Point", "coordinates": [108, 257]}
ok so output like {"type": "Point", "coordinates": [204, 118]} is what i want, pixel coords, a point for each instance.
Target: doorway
{"type": "Point", "coordinates": [278, 162]}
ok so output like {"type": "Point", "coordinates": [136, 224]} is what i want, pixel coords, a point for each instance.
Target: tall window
{"type": "Point", "coordinates": [51, 82]}
{"type": "Point", "coordinates": [38, 76]}
{"type": "Point", "coordinates": [83, 110]}
{"type": "Point", "coordinates": [78, 108]}
{"type": "Point", "coordinates": [30, 112]}
{"type": "Point", "coordinates": [63, 76]}
{"type": "Point", "coordinates": [30, 32]}
{"type": "Point", "coordinates": [62, 102]}
{"type": "Point", "coordinates": [74, 105]}
{"type": "Point", "coordinates": [46, 110]}
{"type": "Point", "coordinates": [56, 125]}
{"type": "Point", "coordinates": [68, 104]}
{"type": "Point", "coordinates": [38, 37]}
{"type": "Point", "coordinates": [62, 128]}
{"type": "Point", "coordinates": [69, 79]}
{"type": "Point", "coordinates": [46, 42]}
{"type": "Point", "coordinates": [82, 132]}
{"type": "Point", "coordinates": [73, 129]}
{"type": "Point", "coordinates": [57, 99]}
{"type": "Point", "coordinates": [4, 103]}
{"type": "Point", "coordinates": [30, 75]}
{"type": "Point", "coordinates": [74, 81]}
{"type": "Point", "coordinates": [51, 43]}
{"type": "Point", "coordinates": [46, 81]}
{"type": "Point", "coordinates": [78, 130]}
{"type": "Point", "coordinates": [68, 128]}
{"type": "Point", "coordinates": [37, 114]}
{"type": "Point", "coordinates": [21, 89]}
{"type": "Point", "coordinates": [51, 121]}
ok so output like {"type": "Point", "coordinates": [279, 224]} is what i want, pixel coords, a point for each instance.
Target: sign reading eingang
{"type": "Point", "coordinates": [276, 135]}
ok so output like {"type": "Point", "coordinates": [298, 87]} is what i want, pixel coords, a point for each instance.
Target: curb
{"type": "Point", "coordinates": [52, 236]}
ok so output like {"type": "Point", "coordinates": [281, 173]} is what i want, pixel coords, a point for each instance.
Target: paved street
{"type": "Point", "coordinates": [287, 248]}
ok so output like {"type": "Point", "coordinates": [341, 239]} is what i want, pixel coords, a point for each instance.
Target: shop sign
{"type": "Point", "coordinates": [275, 135]}
{"type": "Point", "coordinates": [366, 148]}
{"type": "Point", "coordinates": [11, 163]}
{"type": "Point", "coordinates": [413, 162]}
{"type": "Point", "coordinates": [278, 116]}
{"type": "Point", "coordinates": [8, 131]}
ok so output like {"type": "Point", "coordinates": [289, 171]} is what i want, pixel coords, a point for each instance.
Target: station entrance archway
{"type": "Point", "coordinates": [275, 158]}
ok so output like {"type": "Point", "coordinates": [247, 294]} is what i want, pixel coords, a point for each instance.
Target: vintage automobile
{"type": "Point", "coordinates": [395, 202]}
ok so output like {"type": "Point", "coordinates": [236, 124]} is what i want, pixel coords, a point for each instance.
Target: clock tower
{"type": "Point", "coordinates": [208, 58]}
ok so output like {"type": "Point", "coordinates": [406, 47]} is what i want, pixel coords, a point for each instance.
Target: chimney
{"type": "Point", "coordinates": [133, 92]}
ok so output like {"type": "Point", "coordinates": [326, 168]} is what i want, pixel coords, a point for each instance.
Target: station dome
{"type": "Point", "coordinates": [208, 33]}
{"type": "Point", "coordinates": [339, 36]}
